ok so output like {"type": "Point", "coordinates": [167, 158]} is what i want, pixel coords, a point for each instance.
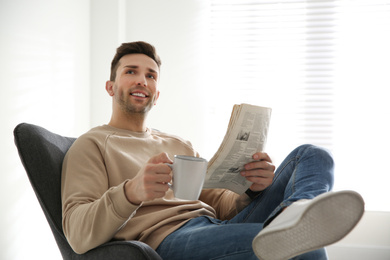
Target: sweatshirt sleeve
{"type": "Point", "coordinates": [92, 212]}
{"type": "Point", "coordinates": [226, 203]}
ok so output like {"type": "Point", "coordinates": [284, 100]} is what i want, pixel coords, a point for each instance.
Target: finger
{"type": "Point", "coordinates": [160, 158]}
{"type": "Point", "coordinates": [259, 165]}
{"type": "Point", "coordinates": [160, 168]}
{"type": "Point", "coordinates": [159, 187]}
{"type": "Point", "coordinates": [258, 173]}
{"type": "Point", "coordinates": [163, 178]}
{"type": "Point", "coordinates": [261, 156]}
{"type": "Point", "coordinates": [263, 178]}
{"type": "Point", "coordinates": [259, 182]}
{"type": "Point", "coordinates": [153, 188]}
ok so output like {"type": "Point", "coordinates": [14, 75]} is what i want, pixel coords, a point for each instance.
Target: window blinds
{"type": "Point", "coordinates": [285, 52]}
{"type": "Point", "coordinates": [285, 48]}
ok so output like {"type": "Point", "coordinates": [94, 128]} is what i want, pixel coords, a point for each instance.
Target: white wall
{"type": "Point", "coordinates": [369, 240]}
{"type": "Point", "coordinates": [44, 71]}
{"type": "Point", "coordinates": [106, 30]}
{"type": "Point", "coordinates": [173, 28]}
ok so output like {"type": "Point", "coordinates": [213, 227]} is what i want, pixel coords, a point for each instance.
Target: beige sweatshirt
{"type": "Point", "coordinates": [94, 205]}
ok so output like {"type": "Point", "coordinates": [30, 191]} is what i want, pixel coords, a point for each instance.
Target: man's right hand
{"type": "Point", "coordinates": [151, 182]}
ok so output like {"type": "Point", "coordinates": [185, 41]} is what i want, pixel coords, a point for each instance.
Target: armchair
{"type": "Point", "coordinates": [42, 153]}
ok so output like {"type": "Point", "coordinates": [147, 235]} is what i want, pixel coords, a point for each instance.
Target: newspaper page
{"type": "Point", "coordinates": [246, 135]}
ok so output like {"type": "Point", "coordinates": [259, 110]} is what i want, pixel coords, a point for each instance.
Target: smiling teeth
{"type": "Point", "coordinates": [138, 94]}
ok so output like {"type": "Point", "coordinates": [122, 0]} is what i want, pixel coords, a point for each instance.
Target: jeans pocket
{"type": "Point", "coordinates": [212, 220]}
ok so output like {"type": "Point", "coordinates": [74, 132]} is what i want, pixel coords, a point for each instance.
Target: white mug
{"type": "Point", "coordinates": [188, 176]}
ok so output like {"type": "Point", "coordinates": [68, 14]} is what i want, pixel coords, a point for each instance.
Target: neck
{"type": "Point", "coordinates": [133, 122]}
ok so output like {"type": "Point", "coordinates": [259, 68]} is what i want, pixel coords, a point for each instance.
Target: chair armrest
{"type": "Point", "coordinates": [121, 250]}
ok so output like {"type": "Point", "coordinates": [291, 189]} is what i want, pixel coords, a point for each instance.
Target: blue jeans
{"type": "Point", "coordinates": [306, 173]}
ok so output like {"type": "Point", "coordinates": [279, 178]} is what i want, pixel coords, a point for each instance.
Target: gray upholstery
{"type": "Point", "coordinates": [42, 153]}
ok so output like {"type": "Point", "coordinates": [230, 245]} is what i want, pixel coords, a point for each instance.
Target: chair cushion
{"type": "Point", "coordinates": [42, 153]}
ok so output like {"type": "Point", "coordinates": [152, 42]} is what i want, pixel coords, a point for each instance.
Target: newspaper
{"type": "Point", "coordinates": [246, 134]}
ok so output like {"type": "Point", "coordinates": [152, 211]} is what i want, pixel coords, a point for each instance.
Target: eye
{"type": "Point", "coordinates": [151, 76]}
{"type": "Point", "coordinates": [130, 72]}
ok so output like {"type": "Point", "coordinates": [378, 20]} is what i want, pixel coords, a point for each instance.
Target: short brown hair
{"type": "Point", "coordinates": [133, 48]}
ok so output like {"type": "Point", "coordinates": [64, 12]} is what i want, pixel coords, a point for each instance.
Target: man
{"type": "Point", "coordinates": [115, 186]}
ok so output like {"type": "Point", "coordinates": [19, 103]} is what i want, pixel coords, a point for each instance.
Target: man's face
{"type": "Point", "coordinates": [135, 87]}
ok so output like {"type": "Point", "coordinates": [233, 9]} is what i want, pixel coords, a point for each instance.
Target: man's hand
{"type": "Point", "coordinates": [151, 181]}
{"type": "Point", "coordinates": [260, 172]}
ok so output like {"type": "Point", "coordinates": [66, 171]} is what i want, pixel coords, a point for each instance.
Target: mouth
{"type": "Point", "coordinates": [138, 94]}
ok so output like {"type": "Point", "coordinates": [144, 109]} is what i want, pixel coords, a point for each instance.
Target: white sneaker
{"type": "Point", "coordinates": [308, 225]}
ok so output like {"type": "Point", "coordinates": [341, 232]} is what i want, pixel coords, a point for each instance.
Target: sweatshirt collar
{"type": "Point", "coordinates": [145, 134]}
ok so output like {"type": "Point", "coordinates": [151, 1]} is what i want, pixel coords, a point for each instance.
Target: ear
{"type": "Point", "coordinates": [158, 94]}
{"type": "Point", "coordinates": [110, 87]}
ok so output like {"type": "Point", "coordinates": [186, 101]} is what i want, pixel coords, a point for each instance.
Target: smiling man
{"type": "Point", "coordinates": [133, 85]}
{"type": "Point", "coordinates": [115, 186]}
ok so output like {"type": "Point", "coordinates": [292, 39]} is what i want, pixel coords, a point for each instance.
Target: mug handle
{"type": "Point", "coordinates": [170, 166]}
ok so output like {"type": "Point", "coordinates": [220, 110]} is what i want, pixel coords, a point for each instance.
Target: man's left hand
{"type": "Point", "coordinates": [260, 172]}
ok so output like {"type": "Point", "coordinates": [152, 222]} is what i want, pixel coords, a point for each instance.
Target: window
{"type": "Point", "coordinates": [322, 67]}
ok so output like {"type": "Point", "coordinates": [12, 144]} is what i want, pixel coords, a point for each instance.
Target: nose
{"type": "Point", "coordinates": [141, 81]}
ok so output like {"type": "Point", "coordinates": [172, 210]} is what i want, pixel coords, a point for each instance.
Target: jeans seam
{"type": "Point", "coordinates": [232, 254]}
{"type": "Point", "coordinates": [293, 175]}
{"type": "Point", "coordinates": [286, 164]}
{"type": "Point", "coordinates": [251, 211]}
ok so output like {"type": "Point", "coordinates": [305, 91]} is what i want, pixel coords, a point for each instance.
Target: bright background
{"type": "Point", "coordinates": [321, 65]}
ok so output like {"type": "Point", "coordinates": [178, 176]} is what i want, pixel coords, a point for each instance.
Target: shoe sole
{"type": "Point", "coordinates": [322, 224]}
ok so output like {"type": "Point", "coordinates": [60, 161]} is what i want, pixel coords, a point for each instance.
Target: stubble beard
{"type": "Point", "coordinates": [130, 109]}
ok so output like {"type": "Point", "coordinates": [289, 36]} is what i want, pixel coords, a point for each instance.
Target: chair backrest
{"type": "Point", "coordinates": [42, 153]}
